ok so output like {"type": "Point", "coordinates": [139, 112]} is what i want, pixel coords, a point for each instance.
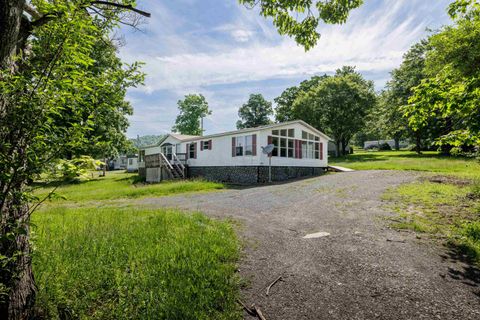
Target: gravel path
{"type": "Point", "coordinates": [362, 270]}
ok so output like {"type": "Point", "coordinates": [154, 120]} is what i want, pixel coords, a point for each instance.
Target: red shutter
{"type": "Point", "coordinates": [209, 144]}
{"type": "Point", "coordinates": [188, 151]}
{"type": "Point", "coordinates": [270, 141]}
{"type": "Point", "coordinates": [201, 145]}
{"type": "Point", "coordinates": [233, 146]}
{"type": "Point", "coordinates": [254, 145]}
{"type": "Point", "coordinates": [321, 150]}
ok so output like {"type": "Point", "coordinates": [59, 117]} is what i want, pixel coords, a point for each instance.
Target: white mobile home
{"type": "Point", "coordinates": [132, 163]}
{"type": "Point", "coordinates": [236, 156]}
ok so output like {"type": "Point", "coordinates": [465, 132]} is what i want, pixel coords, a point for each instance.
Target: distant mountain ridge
{"type": "Point", "coordinates": [148, 140]}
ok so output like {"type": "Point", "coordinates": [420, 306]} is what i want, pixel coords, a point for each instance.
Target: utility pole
{"type": "Point", "coordinates": [201, 125]}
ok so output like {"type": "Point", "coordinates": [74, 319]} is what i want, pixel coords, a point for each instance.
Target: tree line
{"type": "Point", "coordinates": [432, 99]}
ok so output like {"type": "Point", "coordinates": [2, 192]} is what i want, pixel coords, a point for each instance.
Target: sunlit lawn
{"type": "Point", "coordinates": [118, 185]}
{"type": "Point", "coordinates": [408, 160]}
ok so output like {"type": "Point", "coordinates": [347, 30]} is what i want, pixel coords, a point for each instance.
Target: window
{"type": "Point", "coordinates": [206, 145]}
{"type": "Point", "coordinates": [191, 150]}
{"type": "Point", "coordinates": [244, 146]}
{"type": "Point", "coordinates": [239, 146]}
{"type": "Point", "coordinates": [248, 145]}
{"type": "Point", "coordinates": [283, 147]}
{"type": "Point", "coordinates": [290, 150]}
{"type": "Point", "coordinates": [130, 162]}
{"type": "Point", "coordinates": [141, 156]}
{"type": "Point", "coordinates": [304, 135]}
{"type": "Point", "coordinates": [275, 142]}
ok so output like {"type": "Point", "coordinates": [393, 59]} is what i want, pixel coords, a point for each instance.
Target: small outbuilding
{"type": "Point", "coordinates": [236, 156]}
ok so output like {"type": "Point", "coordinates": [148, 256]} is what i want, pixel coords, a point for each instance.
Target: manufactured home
{"type": "Point", "coordinates": [132, 163]}
{"type": "Point", "coordinates": [237, 156]}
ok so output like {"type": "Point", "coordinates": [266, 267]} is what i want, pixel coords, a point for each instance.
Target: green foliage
{"type": "Point", "coordinates": [284, 103]}
{"type": "Point", "coordinates": [134, 264]}
{"type": "Point", "coordinates": [119, 185]}
{"type": "Point", "coordinates": [338, 105]}
{"type": "Point", "coordinates": [450, 92]}
{"type": "Point", "coordinates": [77, 169]}
{"type": "Point", "coordinates": [299, 18]}
{"type": "Point", "coordinates": [192, 109]}
{"type": "Point", "coordinates": [255, 112]}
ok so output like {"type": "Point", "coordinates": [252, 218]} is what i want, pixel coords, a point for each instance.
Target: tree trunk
{"type": "Point", "coordinates": [397, 143]}
{"type": "Point", "coordinates": [418, 143]}
{"type": "Point", "coordinates": [337, 148]}
{"type": "Point", "coordinates": [16, 276]}
{"type": "Point", "coordinates": [16, 279]}
{"type": "Point", "coordinates": [344, 147]}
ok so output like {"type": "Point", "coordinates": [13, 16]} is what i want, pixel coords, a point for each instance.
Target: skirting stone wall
{"type": "Point", "coordinates": [252, 174]}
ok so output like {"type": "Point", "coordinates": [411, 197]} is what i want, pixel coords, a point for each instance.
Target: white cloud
{"type": "Point", "coordinates": [372, 44]}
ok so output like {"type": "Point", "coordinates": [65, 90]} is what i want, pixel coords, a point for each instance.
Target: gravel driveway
{"type": "Point", "coordinates": [362, 270]}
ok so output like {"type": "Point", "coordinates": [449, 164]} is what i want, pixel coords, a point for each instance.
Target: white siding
{"type": "Point", "coordinates": [221, 153]}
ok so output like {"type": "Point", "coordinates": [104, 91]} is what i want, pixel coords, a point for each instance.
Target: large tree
{"type": "Point", "coordinates": [394, 98]}
{"type": "Point", "coordinates": [51, 85]}
{"type": "Point", "coordinates": [193, 108]}
{"type": "Point", "coordinates": [255, 112]}
{"type": "Point", "coordinates": [338, 105]}
{"type": "Point", "coordinates": [284, 102]}
{"type": "Point", "coordinates": [450, 94]}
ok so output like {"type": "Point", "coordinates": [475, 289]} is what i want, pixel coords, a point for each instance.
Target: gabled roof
{"type": "Point", "coordinates": [268, 126]}
{"type": "Point", "coordinates": [182, 137]}
{"type": "Point", "coordinates": [187, 138]}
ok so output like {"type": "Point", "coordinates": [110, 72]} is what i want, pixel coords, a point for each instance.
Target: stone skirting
{"type": "Point", "coordinates": [252, 174]}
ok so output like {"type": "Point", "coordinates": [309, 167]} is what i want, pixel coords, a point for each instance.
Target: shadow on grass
{"type": "Point", "coordinates": [386, 155]}
{"type": "Point", "coordinates": [468, 272]}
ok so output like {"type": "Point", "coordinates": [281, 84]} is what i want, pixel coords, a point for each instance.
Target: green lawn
{"type": "Point", "coordinates": [408, 160]}
{"type": "Point", "coordinates": [120, 185]}
{"type": "Point", "coordinates": [131, 263]}
{"type": "Point", "coordinates": [442, 208]}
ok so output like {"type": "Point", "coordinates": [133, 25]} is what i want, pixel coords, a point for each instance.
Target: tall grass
{"type": "Point", "coordinates": [134, 264]}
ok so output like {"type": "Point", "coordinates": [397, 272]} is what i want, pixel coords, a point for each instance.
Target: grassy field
{"type": "Point", "coordinates": [445, 204]}
{"type": "Point", "coordinates": [121, 185]}
{"type": "Point", "coordinates": [407, 160]}
{"type": "Point", "coordinates": [131, 263]}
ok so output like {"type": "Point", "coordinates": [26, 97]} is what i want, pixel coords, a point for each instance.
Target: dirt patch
{"type": "Point", "coordinates": [448, 180]}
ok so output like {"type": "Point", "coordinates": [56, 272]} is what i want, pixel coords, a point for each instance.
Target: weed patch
{"type": "Point", "coordinates": [134, 264]}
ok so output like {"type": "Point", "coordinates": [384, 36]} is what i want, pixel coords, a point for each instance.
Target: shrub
{"type": "Point", "coordinates": [384, 146]}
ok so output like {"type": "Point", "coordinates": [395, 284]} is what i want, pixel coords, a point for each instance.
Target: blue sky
{"type": "Point", "coordinates": [226, 52]}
